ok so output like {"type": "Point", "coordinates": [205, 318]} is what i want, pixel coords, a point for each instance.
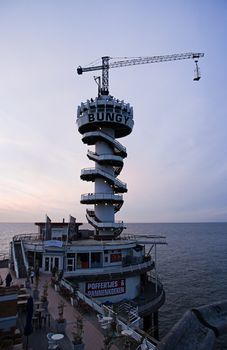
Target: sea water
{"type": "Point", "coordinates": [192, 266]}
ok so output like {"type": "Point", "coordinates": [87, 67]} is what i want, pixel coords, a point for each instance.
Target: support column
{"type": "Point", "coordinates": [151, 325]}
{"type": "Point", "coordinates": [155, 325]}
{"type": "Point", "coordinates": [147, 323]}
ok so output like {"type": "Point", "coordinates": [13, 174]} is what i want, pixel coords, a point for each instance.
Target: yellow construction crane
{"type": "Point", "coordinates": [122, 62]}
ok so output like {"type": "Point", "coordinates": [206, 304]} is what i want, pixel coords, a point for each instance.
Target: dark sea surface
{"type": "Point", "coordinates": [192, 267]}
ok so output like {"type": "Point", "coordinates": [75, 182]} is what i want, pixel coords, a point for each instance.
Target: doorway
{"type": "Point", "coordinates": [50, 262]}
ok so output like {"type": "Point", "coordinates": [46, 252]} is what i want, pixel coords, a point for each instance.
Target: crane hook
{"type": "Point", "coordinates": [197, 75]}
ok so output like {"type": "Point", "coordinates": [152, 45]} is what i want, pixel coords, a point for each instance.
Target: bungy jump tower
{"type": "Point", "coordinates": [101, 122]}
{"type": "Point", "coordinates": [128, 277]}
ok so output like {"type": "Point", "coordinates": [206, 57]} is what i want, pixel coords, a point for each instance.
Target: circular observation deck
{"type": "Point", "coordinates": [105, 112]}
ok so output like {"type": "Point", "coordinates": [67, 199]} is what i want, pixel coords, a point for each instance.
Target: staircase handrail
{"type": "Point", "coordinates": [106, 156]}
{"type": "Point", "coordinates": [117, 144]}
{"type": "Point", "coordinates": [123, 148]}
{"type": "Point", "coordinates": [24, 256]}
{"type": "Point", "coordinates": [103, 309]}
{"type": "Point", "coordinates": [15, 261]}
{"type": "Point", "coordinates": [105, 174]}
{"type": "Point", "coordinates": [116, 224]}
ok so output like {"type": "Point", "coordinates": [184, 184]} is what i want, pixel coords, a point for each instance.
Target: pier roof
{"type": "Point", "coordinates": [57, 224]}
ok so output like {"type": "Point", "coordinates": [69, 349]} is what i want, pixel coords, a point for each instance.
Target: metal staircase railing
{"type": "Point", "coordinates": [16, 269]}
{"type": "Point", "coordinates": [98, 172]}
{"type": "Point", "coordinates": [119, 147]}
{"type": "Point", "coordinates": [22, 273]}
{"type": "Point", "coordinates": [24, 256]}
{"type": "Point", "coordinates": [129, 312]}
{"type": "Point", "coordinates": [93, 220]}
{"type": "Point", "coordinates": [108, 157]}
{"type": "Point", "coordinates": [106, 310]}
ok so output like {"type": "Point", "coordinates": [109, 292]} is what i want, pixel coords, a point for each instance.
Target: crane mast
{"type": "Point", "coordinates": [106, 65]}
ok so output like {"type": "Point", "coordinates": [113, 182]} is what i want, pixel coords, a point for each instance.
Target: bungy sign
{"type": "Point", "coordinates": [105, 288]}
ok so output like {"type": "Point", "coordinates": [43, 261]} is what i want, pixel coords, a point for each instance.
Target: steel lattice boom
{"type": "Point", "coordinates": [106, 65]}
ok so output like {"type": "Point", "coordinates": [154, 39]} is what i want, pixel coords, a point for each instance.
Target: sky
{"type": "Point", "coordinates": [177, 153]}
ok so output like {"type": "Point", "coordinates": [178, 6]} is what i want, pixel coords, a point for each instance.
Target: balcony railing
{"type": "Point", "coordinates": [28, 236]}
{"type": "Point", "coordinates": [111, 269]}
{"type": "Point", "coordinates": [134, 260]}
{"type": "Point", "coordinates": [101, 196]}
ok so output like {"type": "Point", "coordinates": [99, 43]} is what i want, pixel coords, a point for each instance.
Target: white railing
{"type": "Point", "coordinates": [24, 255]}
{"type": "Point", "coordinates": [101, 196]}
{"type": "Point", "coordinates": [132, 313]}
{"type": "Point", "coordinates": [116, 143]}
{"type": "Point", "coordinates": [105, 224]}
{"type": "Point", "coordinates": [145, 239]}
{"type": "Point", "coordinates": [94, 171]}
{"type": "Point", "coordinates": [28, 236]}
{"type": "Point", "coordinates": [107, 103]}
{"type": "Point", "coordinates": [106, 156]}
{"type": "Point", "coordinates": [15, 261]}
{"type": "Point", "coordinates": [106, 310]}
{"type": "Point", "coordinates": [103, 310]}
{"type": "Point", "coordinates": [4, 256]}
{"type": "Point", "coordinates": [110, 269]}
{"type": "Point", "coordinates": [95, 306]}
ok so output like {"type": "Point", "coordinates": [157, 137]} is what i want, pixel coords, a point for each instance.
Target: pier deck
{"type": "Point", "coordinates": [93, 338]}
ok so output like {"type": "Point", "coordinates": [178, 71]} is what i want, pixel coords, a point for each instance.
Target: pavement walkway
{"type": "Point", "coordinates": [93, 338]}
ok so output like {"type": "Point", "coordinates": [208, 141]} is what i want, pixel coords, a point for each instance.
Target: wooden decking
{"type": "Point", "coordinates": [93, 338]}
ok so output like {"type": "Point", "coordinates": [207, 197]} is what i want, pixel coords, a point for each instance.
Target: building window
{"type": "Point", "coordinates": [83, 260]}
{"type": "Point", "coordinates": [116, 257]}
{"type": "Point", "coordinates": [96, 260]}
{"type": "Point", "coordinates": [70, 264]}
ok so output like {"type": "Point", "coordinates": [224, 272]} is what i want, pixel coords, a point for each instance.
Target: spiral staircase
{"type": "Point", "coordinates": [101, 121]}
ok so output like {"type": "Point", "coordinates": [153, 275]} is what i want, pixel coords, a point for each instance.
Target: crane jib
{"type": "Point", "coordinates": [107, 64]}
{"type": "Point", "coordinates": [141, 60]}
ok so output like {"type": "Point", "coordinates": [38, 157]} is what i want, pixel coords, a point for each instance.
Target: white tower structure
{"type": "Point", "coordinates": [101, 121]}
